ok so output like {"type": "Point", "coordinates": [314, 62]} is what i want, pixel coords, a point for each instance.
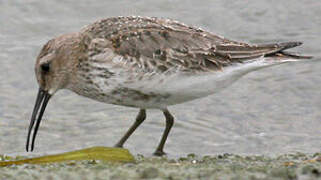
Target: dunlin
{"type": "Point", "coordinates": [146, 63]}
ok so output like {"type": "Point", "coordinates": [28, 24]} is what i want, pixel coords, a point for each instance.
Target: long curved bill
{"type": "Point", "coordinates": [41, 103]}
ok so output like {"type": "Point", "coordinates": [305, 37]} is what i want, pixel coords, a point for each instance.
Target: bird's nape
{"type": "Point", "coordinates": [42, 100]}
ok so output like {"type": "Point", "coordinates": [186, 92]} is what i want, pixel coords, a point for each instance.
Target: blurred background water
{"type": "Point", "coordinates": [272, 111]}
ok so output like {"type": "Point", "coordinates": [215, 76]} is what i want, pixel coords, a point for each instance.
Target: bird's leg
{"type": "Point", "coordinates": [139, 119]}
{"type": "Point", "coordinates": [169, 123]}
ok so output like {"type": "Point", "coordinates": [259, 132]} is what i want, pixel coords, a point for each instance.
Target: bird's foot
{"type": "Point", "coordinates": [118, 145]}
{"type": "Point", "coordinates": [159, 153]}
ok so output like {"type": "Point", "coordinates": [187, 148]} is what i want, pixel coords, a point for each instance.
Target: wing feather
{"type": "Point", "coordinates": [161, 45]}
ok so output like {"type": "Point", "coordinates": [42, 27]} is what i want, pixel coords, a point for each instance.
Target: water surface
{"type": "Point", "coordinates": [272, 111]}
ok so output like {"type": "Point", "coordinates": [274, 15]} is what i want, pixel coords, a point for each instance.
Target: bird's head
{"type": "Point", "coordinates": [54, 67]}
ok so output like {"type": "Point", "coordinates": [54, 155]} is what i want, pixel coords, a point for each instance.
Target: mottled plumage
{"type": "Point", "coordinates": [146, 63]}
{"type": "Point", "coordinates": [155, 44]}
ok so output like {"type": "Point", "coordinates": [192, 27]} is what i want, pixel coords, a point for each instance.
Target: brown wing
{"type": "Point", "coordinates": [161, 45]}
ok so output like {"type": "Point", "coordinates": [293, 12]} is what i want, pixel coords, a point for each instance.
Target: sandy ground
{"type": "Point", "coordinates": [226, 166]}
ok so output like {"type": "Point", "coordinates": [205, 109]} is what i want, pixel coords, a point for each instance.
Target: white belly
{"type": "Point", "coordinates": [161, 90]}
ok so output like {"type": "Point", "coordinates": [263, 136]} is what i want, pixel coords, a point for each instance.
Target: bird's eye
{"type": "Point", "coordinates": [45, 67]}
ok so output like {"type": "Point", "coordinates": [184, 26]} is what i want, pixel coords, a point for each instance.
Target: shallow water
{"type": "Point", "coordinates": [272, 111]}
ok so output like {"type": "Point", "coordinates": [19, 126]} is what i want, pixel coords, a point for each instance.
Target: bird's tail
{"type": "Point", "coordinates": [281, 54]}
{"type": "Point", "coordinates": [274, 52]}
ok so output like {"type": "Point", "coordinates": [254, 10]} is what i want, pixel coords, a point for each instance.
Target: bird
{"type": "Point", "coordinates": [146, 63]}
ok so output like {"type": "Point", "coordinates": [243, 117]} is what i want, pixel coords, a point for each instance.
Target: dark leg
{"type": "Point", "coordinates": [169, 123]}
{"type": "Point", "coordinates": [139, 119]}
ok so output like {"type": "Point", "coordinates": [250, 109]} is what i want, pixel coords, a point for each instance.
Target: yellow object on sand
{"type": "Point", "coordinates": [106, 154]}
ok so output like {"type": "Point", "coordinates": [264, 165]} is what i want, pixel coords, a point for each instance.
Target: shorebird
{"type": "Point", "coordinates": [146, 63]}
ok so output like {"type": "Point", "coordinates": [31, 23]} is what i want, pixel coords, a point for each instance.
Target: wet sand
{"type": "Point", "coordinates": [225, 166]}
